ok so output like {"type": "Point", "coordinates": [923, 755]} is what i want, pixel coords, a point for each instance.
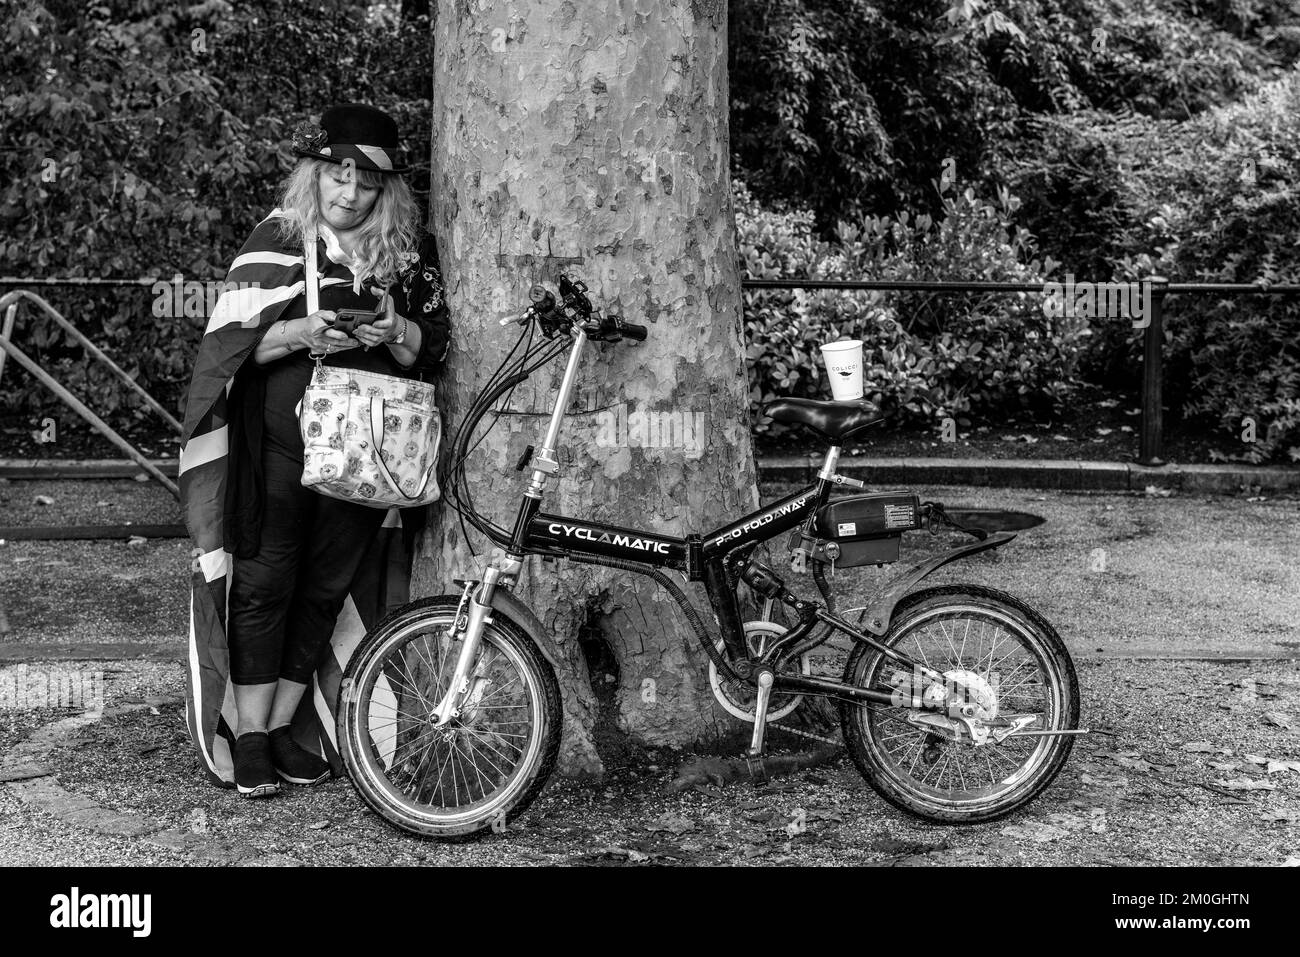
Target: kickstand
{"type": "Point", "coordinates": [757, 769]}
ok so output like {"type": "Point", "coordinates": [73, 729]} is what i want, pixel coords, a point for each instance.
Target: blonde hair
{"type": "Point", "coordinates": [386, 235]}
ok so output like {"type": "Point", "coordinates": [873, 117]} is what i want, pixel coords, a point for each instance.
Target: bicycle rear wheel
{"type": "Point", "coordinates": [488, 764]}
{"type": "Point", "coordinates": [1015, 667]}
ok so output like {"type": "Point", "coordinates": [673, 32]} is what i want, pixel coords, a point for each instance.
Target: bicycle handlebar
{"type": "Point", "coordinates": [573, 309]}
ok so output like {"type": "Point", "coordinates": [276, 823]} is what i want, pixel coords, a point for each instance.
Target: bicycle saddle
{"type": "Point", "coordinates": [833, 421]}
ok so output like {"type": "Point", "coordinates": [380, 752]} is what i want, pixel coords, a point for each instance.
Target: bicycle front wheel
{"type": "Point", "coordinates": [480, 770]}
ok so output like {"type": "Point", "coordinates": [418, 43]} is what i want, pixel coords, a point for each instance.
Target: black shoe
{"type": "Point", "coordinates": [254, 772]}
{"type": "Point", "coordinates": [296, 764]}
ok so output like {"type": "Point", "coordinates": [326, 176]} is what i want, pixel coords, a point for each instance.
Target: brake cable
{"type": "Point", "coordinates": [935, 512]}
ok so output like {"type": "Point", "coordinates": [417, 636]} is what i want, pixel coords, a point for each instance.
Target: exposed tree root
{"type": "Point", "coordinates": [718, 771]}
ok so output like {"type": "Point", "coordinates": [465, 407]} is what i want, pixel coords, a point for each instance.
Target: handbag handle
{"type": "Point", "coordinates": [377, 406]}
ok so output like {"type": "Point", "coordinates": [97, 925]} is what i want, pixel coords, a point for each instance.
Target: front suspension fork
{"type": "Point", "coordinates": [477, 607]}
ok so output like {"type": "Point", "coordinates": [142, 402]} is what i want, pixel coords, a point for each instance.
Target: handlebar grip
{"type": "Point", "coordinates": [631, 330]}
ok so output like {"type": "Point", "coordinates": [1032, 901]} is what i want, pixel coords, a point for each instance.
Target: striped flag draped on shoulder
{"type": "Point", "coordinates": [264, 279]}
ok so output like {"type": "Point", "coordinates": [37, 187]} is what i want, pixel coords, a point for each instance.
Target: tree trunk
{"type": "Point", "coordinates": [591, 139]}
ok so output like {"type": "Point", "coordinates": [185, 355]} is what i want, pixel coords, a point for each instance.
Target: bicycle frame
{"type": "Point", "coordinates": [710, 558]}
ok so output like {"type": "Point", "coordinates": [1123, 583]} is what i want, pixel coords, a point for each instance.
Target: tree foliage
{"type": "Point", "coordinates": [849, 106]}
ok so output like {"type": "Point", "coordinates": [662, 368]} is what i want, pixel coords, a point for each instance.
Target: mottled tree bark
{"type": "Point", "coordinates": [592, 139]}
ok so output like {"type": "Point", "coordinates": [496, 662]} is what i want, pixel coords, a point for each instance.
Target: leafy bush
{"type": "Point", "coordinates": [969, 356]}
{"type": "Point", "coordinates": [1219, 203]}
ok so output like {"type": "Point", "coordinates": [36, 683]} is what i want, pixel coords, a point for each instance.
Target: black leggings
{"type": "Point", "coordinates": [284, 601]}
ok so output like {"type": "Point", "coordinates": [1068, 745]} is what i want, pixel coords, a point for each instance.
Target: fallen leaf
{"type": "Point", "coordinates": [318, 826]}
{"type": "Point", "coordinates": [709, 790]}
{"type": "Point", "coordinates": [1199, 747]}
{"type": "Point", "coordinates": [135, 541]}
{"type": "Point", "coordinates": [1224, 766]}
{"type": "Point", "coordinates": [632, 855]}
{"type": "Point", "coordinates": [1105, 782]}
{"type": "Point", "coordinates": [43, 500]}
{"type": "Point", "coordinates": [835, 816]}
{"type": "Point", "coordinates": [1256, 759]}
{"type": "Point", "coordinates": [1280, 817]}
{"type": "Point", "coordinates": [1073, 822]}
{"type": "Point", "coordinates": [1036, 832]}
{"type": "Point", "coordinates": [670, 823]}
{"type": "Point", "coordinates": [1128, 759]}
{"type": "Point", "coordinates": [1278, 719]}
{"type": "Point", "coordinates": [1275, 767]}
{"type": "Point", "coordinates": [1291, 862]}
{"type": "Point", "coordinates": [1246, 784]}
{"type": "Point", "coordinates": [895, 847]}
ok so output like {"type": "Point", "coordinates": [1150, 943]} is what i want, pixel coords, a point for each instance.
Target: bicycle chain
{"type": "Point", "coordinates": [807, 734]}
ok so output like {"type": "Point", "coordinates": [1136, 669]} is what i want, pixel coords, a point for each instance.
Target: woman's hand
{"type": "Point", "coordinates": [318, 338]}
{"type": "Point", "coordinates": [380, 332]}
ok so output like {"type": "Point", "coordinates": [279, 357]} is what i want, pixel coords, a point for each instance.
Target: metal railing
{"type": "Point", "coordinates": [9, 304]}
{"type": "Point", "coordinates": [1150, 437]}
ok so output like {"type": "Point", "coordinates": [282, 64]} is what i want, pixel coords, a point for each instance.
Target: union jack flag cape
{"type": "Point", "coordinates": [267, 276]}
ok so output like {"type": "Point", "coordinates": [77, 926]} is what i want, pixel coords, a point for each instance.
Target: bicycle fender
{"type": "Point", "coordinates": [876, 617]}
{"type": "Point", "coordinates": [504, 601]}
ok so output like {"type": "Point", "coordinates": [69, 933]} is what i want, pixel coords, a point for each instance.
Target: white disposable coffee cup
{"type": "Point", "coordinates": [844, 368]}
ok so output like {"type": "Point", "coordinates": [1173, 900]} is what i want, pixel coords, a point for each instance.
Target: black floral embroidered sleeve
{"type": "Point", "coordinates": [418, 295]}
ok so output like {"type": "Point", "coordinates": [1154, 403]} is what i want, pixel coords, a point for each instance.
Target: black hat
{"type": "Point", "coordinates": [354, 131]}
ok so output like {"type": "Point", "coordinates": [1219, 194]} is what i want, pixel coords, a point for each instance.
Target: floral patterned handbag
{"type": "Point", "coordinates": [367, 437]}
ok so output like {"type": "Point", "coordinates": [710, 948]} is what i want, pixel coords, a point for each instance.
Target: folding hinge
{"type": "Point", "coordinates": [694, 558]}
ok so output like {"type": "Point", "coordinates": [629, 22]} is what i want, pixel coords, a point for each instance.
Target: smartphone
{"type": "Point", "coordinates": [345, 320]}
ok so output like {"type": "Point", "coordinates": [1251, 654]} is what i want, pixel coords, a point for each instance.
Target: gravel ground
{"type": "Point", "coordinates": [1140, 791]}
{"type": "Point", "coordinates": [86, 502]}
{"type": "Point", "coordinates": [1179, 575]}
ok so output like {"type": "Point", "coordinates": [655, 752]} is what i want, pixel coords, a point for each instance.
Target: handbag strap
{"type": "Point", "coordinates": [312, 278]}
{"type": "Point", "coordinates": [377, 409]}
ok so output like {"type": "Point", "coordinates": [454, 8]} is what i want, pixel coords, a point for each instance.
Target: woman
{"type": "Point", "coordinates": [293, 558]}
